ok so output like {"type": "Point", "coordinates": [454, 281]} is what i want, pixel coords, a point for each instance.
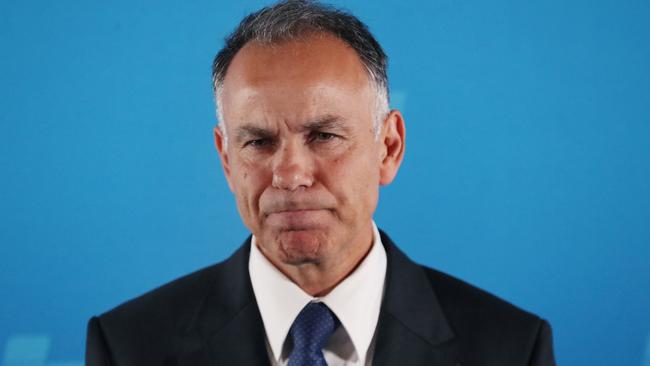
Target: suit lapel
{"type": "Point", "coordinates": [227, 328]}
{"type": "Point", "coordinates": [412, 328]}
{"type": "Point", "coordinates": [241, 341]}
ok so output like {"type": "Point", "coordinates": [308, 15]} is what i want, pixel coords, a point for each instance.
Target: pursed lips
{"type": "Point", "coordinates": [294, 211]}
{"type": "Point", "coordinates": [302, 218]}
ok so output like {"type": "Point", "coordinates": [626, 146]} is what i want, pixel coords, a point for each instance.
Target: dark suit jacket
{"type": "Point", "coordinates": [211, 317]}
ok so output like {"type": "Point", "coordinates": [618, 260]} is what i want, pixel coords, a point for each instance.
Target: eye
{"type": "Point", "coordinates": [322, 136]}
{"type": "Point", "coordinates": [259, 143]}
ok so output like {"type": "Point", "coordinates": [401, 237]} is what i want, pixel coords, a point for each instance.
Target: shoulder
{"type": "Point", "coordinates": [468, 308]}
{"type": "Point", "coordinates": [166, 302]}
{"type": "Point", "coordinates": [143, 330]}
{"type": "Point", "coordinates": [147, 327]}
{"type": "Point", "coordinates": [173, 308]}
{"type": "Point", "coordinates": [484, 328]}
{"type": "Point", "coordinates": [463, 300]}
{"type": "Point", "coordinates": [485, 323]}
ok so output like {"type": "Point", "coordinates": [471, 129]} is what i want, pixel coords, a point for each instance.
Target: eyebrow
{"type": "Point", "coordinates": [326, 122]}
{"type": "Point", "coordinates": [248, 131]}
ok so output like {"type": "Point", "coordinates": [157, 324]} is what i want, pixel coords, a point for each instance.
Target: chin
{"type": "Point", "coordinates": [301, 246]}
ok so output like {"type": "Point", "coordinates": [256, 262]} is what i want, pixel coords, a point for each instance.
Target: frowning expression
{"type": "Point", "coordinates": [301, 155]}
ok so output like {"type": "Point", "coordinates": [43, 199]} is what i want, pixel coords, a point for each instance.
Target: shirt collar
{"type": "Point", "coordinates": [356, 301]}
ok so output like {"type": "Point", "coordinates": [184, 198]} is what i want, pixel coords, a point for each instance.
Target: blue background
{"type": "Point", "coordinates": [526, 173]}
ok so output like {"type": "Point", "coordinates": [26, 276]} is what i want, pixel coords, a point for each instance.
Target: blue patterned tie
{"type": "Point", "coordinates": [309, 332]}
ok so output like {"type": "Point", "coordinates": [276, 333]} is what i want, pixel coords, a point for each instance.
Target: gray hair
{"type": "Point", "coordinates": [292, 19]}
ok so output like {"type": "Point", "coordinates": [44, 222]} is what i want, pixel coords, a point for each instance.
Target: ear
{"type": "Point", "coordinates": [220, 143]}
{"type": "Point", "coordinates": [392, 140]}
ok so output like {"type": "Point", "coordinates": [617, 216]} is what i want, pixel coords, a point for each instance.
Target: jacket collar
{"type": "Point", "coordinates": [412, 326]}
{"type": "Point", "coordinates": [227, 327]}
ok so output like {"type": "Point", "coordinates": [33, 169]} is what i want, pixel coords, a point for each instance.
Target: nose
{"type": "Point", "coordinates": [292, 167]}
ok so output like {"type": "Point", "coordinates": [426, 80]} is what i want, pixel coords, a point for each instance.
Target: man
{"type": "Point", "coordinates": [305, 140]}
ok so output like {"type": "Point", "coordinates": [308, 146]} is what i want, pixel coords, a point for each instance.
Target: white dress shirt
{"type": "Point", "coordinates": [355, 302]}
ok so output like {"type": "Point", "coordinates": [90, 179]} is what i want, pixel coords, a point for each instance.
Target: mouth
{"type": "Point", "coordinates": [295, 210]}
{"type": "Point", "coordinates": [292, 210]}
{"type": "Point", "coordinates": [297, 220]}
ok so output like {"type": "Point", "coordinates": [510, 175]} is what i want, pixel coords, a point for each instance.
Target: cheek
{"type": "Point", "coordinates": [353, 179]}
{"type": "Point", "coordinates": [249, 173]}
{"type": "Point", "coordinates": [250, 181]}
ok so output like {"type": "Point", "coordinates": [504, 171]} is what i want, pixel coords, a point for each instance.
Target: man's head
{"type": "Point", "coordinates": [306, 149]}
{"type": "Point", "coordinates": [288, 20]}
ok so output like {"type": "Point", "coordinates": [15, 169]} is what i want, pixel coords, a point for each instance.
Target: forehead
{"type": "Point", "coordinates": [296, 74]}
{"type": "Point", "coordinates": [309, 58]}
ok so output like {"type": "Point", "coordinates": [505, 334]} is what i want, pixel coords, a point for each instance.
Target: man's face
{"type": "Point", "coordinates": [302, 157]}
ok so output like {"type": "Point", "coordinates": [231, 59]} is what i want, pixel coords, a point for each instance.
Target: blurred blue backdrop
{"type": "Point", "coordinates": [527, 168]}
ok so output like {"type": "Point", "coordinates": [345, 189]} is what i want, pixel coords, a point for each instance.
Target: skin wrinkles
{"type": "Point", "coordinates": [322, 128]}
{"type": "Point", "coordinates": [305, 165]}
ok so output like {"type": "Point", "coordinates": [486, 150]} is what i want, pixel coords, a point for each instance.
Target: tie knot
{"type": "Point", "coordinates": [310, 332]}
